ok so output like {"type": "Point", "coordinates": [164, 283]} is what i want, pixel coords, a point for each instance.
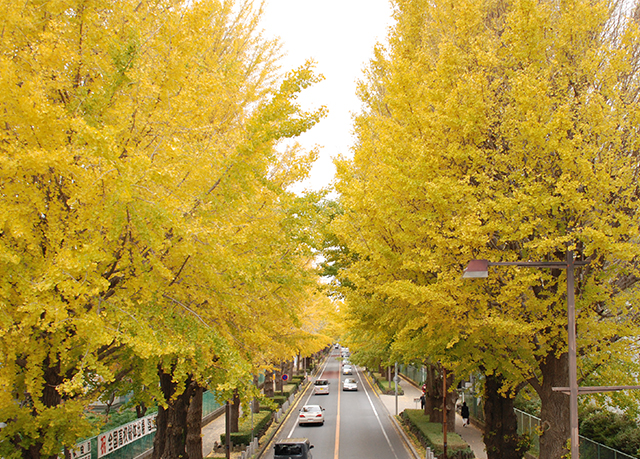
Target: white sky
{"type": "Point", "coordinates": [339, 35]}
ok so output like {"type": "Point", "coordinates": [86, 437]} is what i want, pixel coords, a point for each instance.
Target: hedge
{"type": "Point", "coordinates": [385, 386]}
{"type": "Point", "coordinates": [261, 422]}
{"type": "Point", "coordinates": [430, 435]}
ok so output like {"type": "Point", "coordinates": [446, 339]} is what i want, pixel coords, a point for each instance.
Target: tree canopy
{"type": "Point", "coordinates": [145, 217]}
{"type": "Point", "coordinates": [499, 130]}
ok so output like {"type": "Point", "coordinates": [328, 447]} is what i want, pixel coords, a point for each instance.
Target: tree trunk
{"type": "Point", "coordinates": [170, 441]}
{"type": "Point", "coordinates": [141, 410]}
{"type": "Point", "coordinates": [50, 398]}
{"type": "Point", "coordinates": [500, 436]}
{"type": "Point", "coordinates": [268, 383]}
{"type": "Point", "coordinates": [234, 413]}
{"type": "Point", "coordinates": [194, 423]}
{"type": "Point", "coordinates": [430, 402]}
{"type": "Point", "coordinates": [279, 378]}
{"type": "Point", "coordinates": [554, 410]}
{"type": "Point", "coordinates": [434, 397]}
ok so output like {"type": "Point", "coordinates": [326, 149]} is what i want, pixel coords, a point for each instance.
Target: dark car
{"type": "Point", "coordinates": [292, 448]}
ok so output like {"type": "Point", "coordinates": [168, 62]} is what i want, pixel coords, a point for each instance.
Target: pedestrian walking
{"type": "Point", "coordinates": [464, 412]}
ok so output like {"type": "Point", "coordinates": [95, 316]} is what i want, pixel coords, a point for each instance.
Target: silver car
{"type": "Point", "coordinates": [350, 384]}
{"type": "Point", "coordinates": [321, 387]}
{"type": "Point", "coordinates": [311, 414]}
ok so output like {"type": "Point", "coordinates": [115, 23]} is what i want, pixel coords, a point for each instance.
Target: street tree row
{"type": "Point", "coordinates": [148, 240]}
{"type": "Point", "coordinates": [504, 130]}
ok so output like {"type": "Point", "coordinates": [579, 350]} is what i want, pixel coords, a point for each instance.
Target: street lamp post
{"type": "Point", "coordinates": [479, 269]}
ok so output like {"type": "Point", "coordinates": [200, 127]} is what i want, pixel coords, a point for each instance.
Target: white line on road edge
{"type": "Point", "coordinates": [295, 424]}
{"type": "Point", "coordinates": [377, 417]}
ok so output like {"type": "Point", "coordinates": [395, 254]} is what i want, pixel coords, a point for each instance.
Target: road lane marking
{"type": "Point", "coordinates": [295, 424]}
{"type": "Point", "coordinates": [337, 448]}
{"type": "Point", "coordinates": [377, 417]}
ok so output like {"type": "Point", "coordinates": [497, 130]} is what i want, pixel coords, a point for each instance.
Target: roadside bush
{"type": "Point", "coordinates": [385, 386]}
{"type": "Point", "coordinates": [527, 400]}
{"type": "Point", "coordinates": [274, 403]}
{"type": "Point", "coordinates": [261, 422]}
{"type": "Point", "coordinates": [615, 430]}
{"type": "Point", "coordinates": [430, 435]}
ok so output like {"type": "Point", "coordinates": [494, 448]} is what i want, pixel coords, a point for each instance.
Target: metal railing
{"type": "Point", "coordinates": [589, 449]}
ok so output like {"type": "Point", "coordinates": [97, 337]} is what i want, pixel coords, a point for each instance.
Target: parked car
{"type": "Point", "coordinates": [311, 414]}
{"type": "Point", "coordinates": [347, 370]}
{"type": "Point", "coordinates": [350, 384]}
{"type": "Point", "coordinates": [292, 448]}
{"type": "Point", "coordinates": [321, 387]}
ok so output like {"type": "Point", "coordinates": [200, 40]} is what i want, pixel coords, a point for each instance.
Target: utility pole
{"type": "Point", "coordinates": [227, 428]}
{"type": "Point", "coordinates": [444, 410]}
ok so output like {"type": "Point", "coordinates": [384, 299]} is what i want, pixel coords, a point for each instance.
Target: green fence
{"type": "Point", "coordinates": [416, 374]}
{"type": "Point", "coordinates": [132, 439]}
{"type": "Point", "coordinates": [588, 449]}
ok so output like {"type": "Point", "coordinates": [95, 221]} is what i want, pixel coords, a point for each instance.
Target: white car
{"type": "Point", "coordinates": [321, 387]}
{"type": "Point", "coordinates": [347, 370]}
{"type": "Point", "coordinates": [350, 384]}
{"type": "Point", "coordinates": [311, 414]}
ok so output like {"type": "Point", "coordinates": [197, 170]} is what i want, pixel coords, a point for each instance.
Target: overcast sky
{"type": "Point", "coordinates": [340, 36]}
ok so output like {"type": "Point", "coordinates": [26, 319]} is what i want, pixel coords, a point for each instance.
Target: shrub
{"type": "Point", "coordinates": [273, 403]}
{"type": "Point", "coordinates": [430, 435]}
{"type": "Point", "coordinates": [261, 422]}
{"type": "Point", "coordinates": [385, 386]}
{"type": "Point", "coordinates": [527, 400]}
{"type": "Point", "coordinates": [618, 431]}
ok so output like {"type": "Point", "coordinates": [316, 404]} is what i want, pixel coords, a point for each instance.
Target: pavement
{"type": "Point", "coordinates": [211, 434]}
{"type": "Point", "coordinates": [410, 399]}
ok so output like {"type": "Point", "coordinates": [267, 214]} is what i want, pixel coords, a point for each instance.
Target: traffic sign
{"type": "Point", "coordinates": [285, 377]}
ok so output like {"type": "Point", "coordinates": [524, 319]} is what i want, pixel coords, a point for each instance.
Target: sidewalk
{"type": "Point", "coordinates": [411, 399]}
{"type": "Point", "coordinates": [211, 434]}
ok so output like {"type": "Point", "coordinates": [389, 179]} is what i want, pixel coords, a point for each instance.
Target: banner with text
{"type": "Point", "coordinates": [113, 440]}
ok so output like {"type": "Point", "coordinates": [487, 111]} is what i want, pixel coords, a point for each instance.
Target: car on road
{"type": "Point", "coordinates": [350, 384]}
{"type": "Point", "coordinates": [321, 387]}
{"type": "Point", "coordinates": [347, 370]}
{"type": "Point", "coordinates": [292, 448]}
{"type": "Point", "coordinates": [311, 414]}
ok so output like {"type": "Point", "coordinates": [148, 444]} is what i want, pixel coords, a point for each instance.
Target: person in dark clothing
{"type": "Point", "coordinates": [464, 412]}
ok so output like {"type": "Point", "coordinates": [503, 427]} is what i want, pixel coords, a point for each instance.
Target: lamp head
{"type": "Point", "coordinates": [476, 269]}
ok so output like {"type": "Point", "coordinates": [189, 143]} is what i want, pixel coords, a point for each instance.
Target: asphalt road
{"type": "Point", "coordinates": [357, 425]}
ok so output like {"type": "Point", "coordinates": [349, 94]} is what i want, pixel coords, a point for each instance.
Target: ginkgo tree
{"type": "Point", "coordinates": [145, 215]}
{"type": "Point", "coordinates": [503, 130]}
